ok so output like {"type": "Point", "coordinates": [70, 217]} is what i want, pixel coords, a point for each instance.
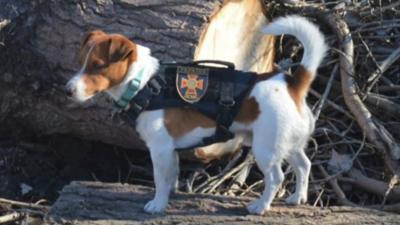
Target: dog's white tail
{"type": "Point", "coordinates": [307, 33]}
{"type": "Point", "coordinates": [314, 49]}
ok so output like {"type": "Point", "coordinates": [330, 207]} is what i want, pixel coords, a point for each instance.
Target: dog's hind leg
{"type": "Point", "coordinates": [269, 162]}
{"type": "Point", "coordinates": [272, 181]}
{"type": "Point", "coordinates": [301, 166]}
{"type": "Point", "coordinates": [165, 169]}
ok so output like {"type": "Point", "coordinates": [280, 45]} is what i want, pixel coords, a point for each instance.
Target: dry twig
{"type": "Point", "coordinates": [11, 217]}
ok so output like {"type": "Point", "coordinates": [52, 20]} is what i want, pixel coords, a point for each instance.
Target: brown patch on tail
{"type": "Point", "coordinates": [298, 85]}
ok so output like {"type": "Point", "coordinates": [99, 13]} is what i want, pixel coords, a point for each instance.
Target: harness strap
{"type": "Point", "coordinates": [142, 100]}
{"type": "Point", "coordinates": [160, 92]}
{"type": "Point", "coordinates": [225, 116]}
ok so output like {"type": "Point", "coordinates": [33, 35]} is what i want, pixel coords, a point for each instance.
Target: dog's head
{"type": "Point", "coordinates": [105, 60]}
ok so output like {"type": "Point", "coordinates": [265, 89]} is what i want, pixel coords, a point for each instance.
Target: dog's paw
{"type": "Point", "coordinates": [258, 207]}
{"type": "Point", "coordinates": [155, 207]}
{"type": "Point", "coordinates": [296, 199]}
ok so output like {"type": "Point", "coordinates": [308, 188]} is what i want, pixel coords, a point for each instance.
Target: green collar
{"type": "Point", "coordinates": [129, 93]}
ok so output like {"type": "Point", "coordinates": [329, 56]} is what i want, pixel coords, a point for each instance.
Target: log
{"type": "Point", "coordinates": [110, 203]}
{"type": "Point", "coordinates": [39, 41]}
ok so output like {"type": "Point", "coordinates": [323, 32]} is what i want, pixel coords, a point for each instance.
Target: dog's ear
{"type": "Point", "coordinates": [89, 36]}
{"type": "Point", "coordinates": [87, 39]}
{"type": "Point", "coordinates": [120, 48]}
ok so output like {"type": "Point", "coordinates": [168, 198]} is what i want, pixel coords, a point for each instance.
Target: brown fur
{"type": "Point", "coordinates": [249, 111]}
{"type": "Point", "coordinates": [180, 121]}
{"type": "Point", "coordinates": [108, 62]}
{"type": "Point", "coordinates": [298, 85]}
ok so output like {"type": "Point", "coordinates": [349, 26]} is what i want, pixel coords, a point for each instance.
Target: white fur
{"type": "Point", "coordinates": [148, 63]}
{"type": "Point", "coordinates": [77, 85]}
{"type": "Point", "coordinates": [279, 133]}
{"type": "Point", "coordinates": [193, 137]}
{"type": "Point", "coordinates": [307, 33]}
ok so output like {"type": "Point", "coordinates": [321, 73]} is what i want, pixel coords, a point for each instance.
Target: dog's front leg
{"type": "Point", "coordinates": [150, 126]}
{"type": "Point", "coordinates": [165, 172]}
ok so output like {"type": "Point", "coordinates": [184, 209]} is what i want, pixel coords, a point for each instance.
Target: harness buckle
{"type": "Point", "coordinates": [226, 95]}
{"type": "Point", "coordinates": [154, 87]}
{"type": "Point", "coordinates": [127, 107]}
{"type": "Point", "coordinates": [136, 107]}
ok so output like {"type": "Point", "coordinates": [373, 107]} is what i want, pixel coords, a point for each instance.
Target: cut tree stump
{"type": "Point", "coordinates": [106, 203]}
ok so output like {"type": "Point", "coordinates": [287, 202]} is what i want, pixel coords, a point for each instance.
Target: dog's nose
{"type": "Point", "coordinates": [68, 91]}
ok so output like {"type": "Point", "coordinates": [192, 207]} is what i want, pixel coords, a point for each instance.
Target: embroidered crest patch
{"type": "Point", "coordinates": [191, 83]}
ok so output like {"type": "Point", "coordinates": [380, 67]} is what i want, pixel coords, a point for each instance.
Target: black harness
{"type": "Point", "coordinates": [221, 102]}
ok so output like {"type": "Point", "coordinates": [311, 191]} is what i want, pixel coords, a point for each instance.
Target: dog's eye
{"type": "Point", "coordinates": [98, 65]}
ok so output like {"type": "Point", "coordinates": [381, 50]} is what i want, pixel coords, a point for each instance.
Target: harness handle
{"type": "Point", "coordinates": [229, 65]}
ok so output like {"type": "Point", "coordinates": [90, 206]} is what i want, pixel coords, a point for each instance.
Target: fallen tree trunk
{"type": "Point", "coordinates": [99, 203]}
{"type": "Point", "coordinates": [38, 48]}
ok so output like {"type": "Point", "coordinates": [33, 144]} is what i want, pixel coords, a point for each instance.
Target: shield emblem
{"type": "Point", "coordinates": [191, 83]}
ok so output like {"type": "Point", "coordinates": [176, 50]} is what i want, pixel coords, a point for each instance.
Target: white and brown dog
{"type": "Point", "coordinates": [274, 119]}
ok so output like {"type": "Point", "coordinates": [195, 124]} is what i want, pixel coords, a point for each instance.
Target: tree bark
{"type": "Point", "coordinates": [39, 41]}
{"type": "Point", "coordinates": [99, 203]}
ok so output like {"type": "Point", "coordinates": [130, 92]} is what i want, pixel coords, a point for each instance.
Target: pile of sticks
{"type": "Point", "coordinates": [25, 213]}
{"type": "Point", "coordinates": [355, 148]}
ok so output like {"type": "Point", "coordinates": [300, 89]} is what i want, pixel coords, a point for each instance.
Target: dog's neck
{"type": "Point", "coordinates": [144, 62]}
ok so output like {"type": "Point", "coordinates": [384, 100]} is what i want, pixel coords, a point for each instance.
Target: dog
{"type": "Point", "coordinates": [274, 119]}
